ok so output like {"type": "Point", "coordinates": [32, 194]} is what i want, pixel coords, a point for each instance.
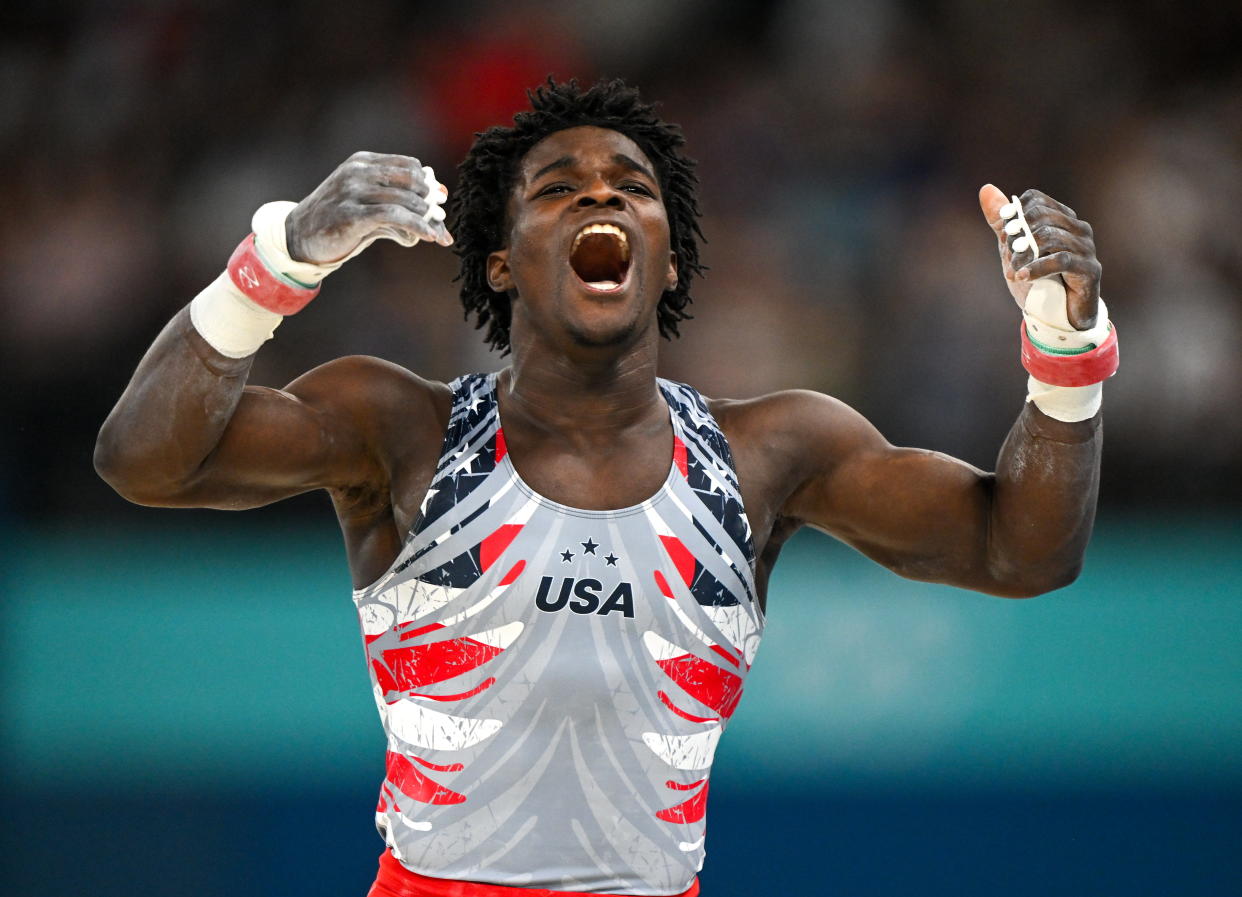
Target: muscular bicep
{"type": "Point", "coordinates": [276, 445]}
{"type": "Point", "coordinates": [920, 513]}
{"type": "Point", "coordinates": [320, 431]}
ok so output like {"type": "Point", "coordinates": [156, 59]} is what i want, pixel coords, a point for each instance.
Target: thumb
{"type": "Point", "coordinates": [990, 201]}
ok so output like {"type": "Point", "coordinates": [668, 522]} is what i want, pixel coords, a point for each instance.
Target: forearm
{"type": "Point", "coordinates": [1043, 502]}
{"type": "Point", "coordinates": [171, 415]}
{"type": "Point", "coordinates": [181, 432]}
{"type": "Point", "coordinates": [1024, 529]}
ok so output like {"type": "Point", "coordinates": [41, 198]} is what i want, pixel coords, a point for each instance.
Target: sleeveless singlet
{"type": "Point", "coordinates": [553, 681]}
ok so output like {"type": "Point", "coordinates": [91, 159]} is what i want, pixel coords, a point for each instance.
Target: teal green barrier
{"type": "Point", "coordinates": [230, 657]}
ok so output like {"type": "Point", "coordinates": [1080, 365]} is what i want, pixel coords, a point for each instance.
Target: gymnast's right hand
{"type": "Point", "coordinates": [370, 196]}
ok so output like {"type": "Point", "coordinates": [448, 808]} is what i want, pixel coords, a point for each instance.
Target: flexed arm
{"type": "Point", "coordinates": [1020, 531]}
{"type": "Point", "coordinates": [188, 432]}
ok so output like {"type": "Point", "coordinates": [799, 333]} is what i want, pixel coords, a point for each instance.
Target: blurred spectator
{"type": "Point", "coordinates": [841, 147]}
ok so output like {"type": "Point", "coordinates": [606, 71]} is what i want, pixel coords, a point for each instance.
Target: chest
{"type": "Point", "coordinates": [579, 474]}
{"type": "Point", "coordinates": [501, 565]}
{"type": "Point", "coordinates": [606, 475]}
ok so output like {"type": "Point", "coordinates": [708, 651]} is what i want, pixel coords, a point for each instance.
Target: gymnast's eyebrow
{"type": "Point", "coordinates": [567, 161]}
{"type": "Point", "coordinates": [562, 162]}
{"type": "Point", "coordinates": [626, 161]}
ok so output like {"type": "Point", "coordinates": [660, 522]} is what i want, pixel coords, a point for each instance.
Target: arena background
{"type": "Point", "coordinates": [185, 708]}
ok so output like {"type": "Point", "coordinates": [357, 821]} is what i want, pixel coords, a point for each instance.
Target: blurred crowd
{"type": "Point", "coordinates": [841, 147]}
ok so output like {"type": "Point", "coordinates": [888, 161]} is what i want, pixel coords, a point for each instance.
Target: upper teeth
{"type": "Point", "coordinates": [604, 229]}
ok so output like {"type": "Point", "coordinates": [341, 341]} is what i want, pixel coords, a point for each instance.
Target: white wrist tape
{"type": "Point", "coordinates": [1067, 403]}
{"type": "Point", "coordinates": [268, 225]}
{"type": "Point", "coordinates": [235, 326]}
{"type": "Point", "coordinates": [232, 324]}
{"type": "Point", "coordinates": [1047, 319]}
{"type": "Point", "coordinates": [270, 241]}
{"type": "Point", "coordinates": [1046, 314]}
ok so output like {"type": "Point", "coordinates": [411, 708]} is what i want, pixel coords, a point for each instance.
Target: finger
{"type": "Point", "coordinates": [1082, 284]}
{"type": "Point", "coordinates": [393, 170]}
{"type": "Point", "coordinates": [1048, 239]}
{"type": "Point", "coordinates": [413, 179]}
{"type": "Point", "coordinates": [402, 218]}
{"type": "Point", "coordinates": [398, 223]}
{"type": "Point", "coordinates": [1032, 198]}
{"type": "Point", "coordinates": [1048, 216]}
{"type": "Point", "coordinates": [1061, 262]}
{"type": "Point", "coordinates": [443, 237]}
{"type": "Point", "coordinates": [1051, 239]}
{"type": "Point", "coordinates": [362, 167]}
{"type": "Point", "coordinates": [386, 159]}
{"type": "Point", "coordinates": [990, 201]}
{"type": "Point", "coordinates": [420, 180]}
{"type": "Point", "coordinates": [398, 196]}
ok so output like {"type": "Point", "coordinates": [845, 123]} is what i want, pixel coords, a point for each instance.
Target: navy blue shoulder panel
{"type": "Point", "coordinates": [712, 473]}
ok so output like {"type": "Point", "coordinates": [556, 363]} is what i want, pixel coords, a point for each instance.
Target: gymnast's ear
{"type": "Point", "coordinates": [498, 277]}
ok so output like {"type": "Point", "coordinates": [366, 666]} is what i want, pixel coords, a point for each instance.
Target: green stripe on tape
{"type": "Point", "coordinates": [1056, 350]}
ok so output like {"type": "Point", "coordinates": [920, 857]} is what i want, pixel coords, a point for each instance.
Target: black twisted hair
{"type": "Point", "coordinates": [477, 209]}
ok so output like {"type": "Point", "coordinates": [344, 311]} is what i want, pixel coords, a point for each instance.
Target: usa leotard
{"type": "Point", "coordinates": [553, 681]}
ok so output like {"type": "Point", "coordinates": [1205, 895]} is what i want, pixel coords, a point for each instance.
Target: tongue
{"type": "Point", "coordinates": [597, 260]}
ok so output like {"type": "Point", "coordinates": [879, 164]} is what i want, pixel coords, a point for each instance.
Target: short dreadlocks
{"type": "Point", "coordinates": [477, 210]}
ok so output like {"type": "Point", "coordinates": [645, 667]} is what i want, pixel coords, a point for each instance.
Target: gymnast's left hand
{"type": "Point", "coordinates": [1066, 250]}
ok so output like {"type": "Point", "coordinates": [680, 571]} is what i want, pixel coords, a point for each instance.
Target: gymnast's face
{"type": "Point", "coordinates": [587, 255]}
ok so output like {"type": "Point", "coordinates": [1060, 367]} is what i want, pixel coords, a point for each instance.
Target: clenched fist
{"type": "Point", "coordinates": [370, 196]}
{"type": "Point", "coordinates": [1066, 246]}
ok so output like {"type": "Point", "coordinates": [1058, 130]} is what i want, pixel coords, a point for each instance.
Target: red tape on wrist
{"type": "Point", "coordinates": [1071, 370]}
{"type": "Point", "coordinates": [263, 287]}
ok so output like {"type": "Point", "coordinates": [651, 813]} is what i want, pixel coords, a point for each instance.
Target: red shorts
{"type": "Point", "coordinates": [394, 880]}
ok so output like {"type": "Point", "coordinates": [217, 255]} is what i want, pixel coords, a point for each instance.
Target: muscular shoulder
{"type": "Point", "coordinates": [396, 410]}
{"type": "Point", "coordinates": [363, 384]}
{"type": "Point", "coordinates": [783, 439]}
{"type": "Point", "coordinates": [793, 425]}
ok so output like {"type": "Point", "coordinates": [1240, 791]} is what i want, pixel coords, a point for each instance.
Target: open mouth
{"type": "Point", "coordinates": [600, 257]}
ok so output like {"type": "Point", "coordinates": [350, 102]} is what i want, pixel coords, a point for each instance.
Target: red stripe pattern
{"type": "Point", "coordinates": [691, 810]}
{"type": "Point", "coordinates": [415, 785]}
{"type": "Point", "coordinates": [409, 668]}
{"type": "Point", "coordinates": [705, 682]}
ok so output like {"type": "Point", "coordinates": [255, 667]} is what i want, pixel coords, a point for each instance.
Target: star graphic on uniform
{"type": "Point", "coordinates": [567, 556]}
{"type": "Point", "coordinates": [611, 559]}
{"type": "Point", "coordinates": [589, 546]}
{"type": "Point", "coordinates": [475, 403]}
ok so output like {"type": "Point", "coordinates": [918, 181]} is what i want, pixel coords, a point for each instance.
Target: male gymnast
{"type": "Point", "coordinates": [560, 568]}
